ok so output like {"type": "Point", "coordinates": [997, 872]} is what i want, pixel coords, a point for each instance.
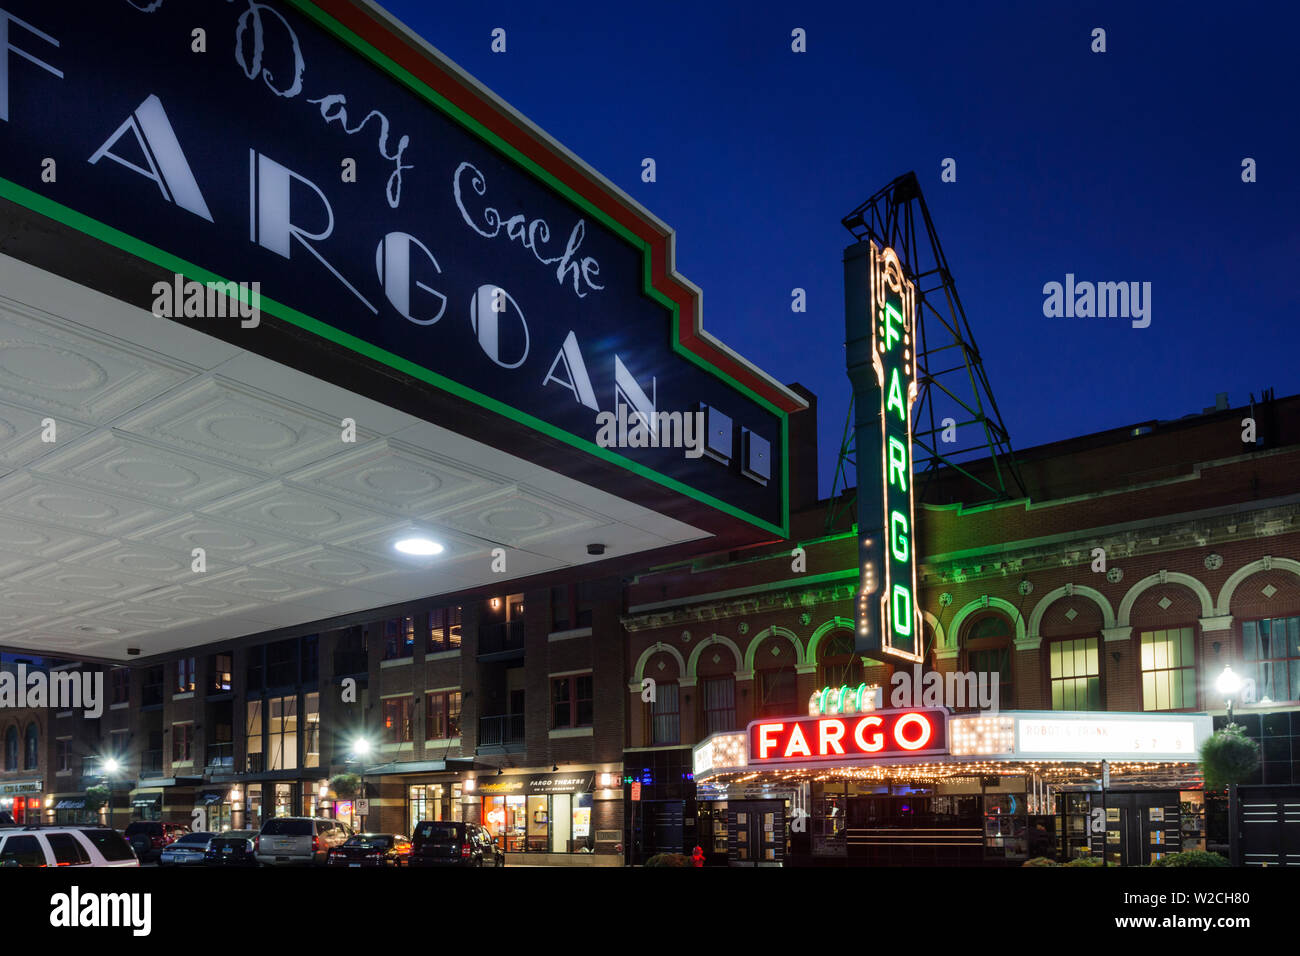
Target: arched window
{"type": "Point", "coordinates": [987, 649]}
{"type": "Point", "coordinates": [836, 661]}
{"type": "Point", "coordinates": [31, 747]}
{"type": "Point", "coordinates": [11, 748]}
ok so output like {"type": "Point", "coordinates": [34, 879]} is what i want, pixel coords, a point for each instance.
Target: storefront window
{"type": "Point", "coordinates": [561, 822]}
{"type": "Point", "coordinates": [282, 733]}
{"type": "Point", "coordinates": [311, 730]}
{"type": "Point", "coordinates": [253, 807]}
{"type": "Point", "coordinates": [837, 661]}
{"type": "Point", "coordinates": [582, 836]}
{"type": "Point", "coordinates": [538, 822]}
{"type": "Point", "coordinates": [399, 638]}
{"type": "Point", "coordinates": [571, 701]}
{"type": "Point", "coordinates": [778, 692]}
{"type": "Point", "coordinates": [719, 698]}
{"type": "Point", "coordinates": [987, 650]}
{"type": "Point", "coordinates": [444, 629]}
{"type": "Point", "coordinates": [283, 800]}
{"type": "Point", "coordinates": [1006, 827]}
{"type": "Point", "coordinates": [1272, 651]}
{"type": "Point", "coordinates": [397, 720]}
{"type": "Point", "coordinates": [31, 747]}
{"type": "Point", "coordinates": [665, 715]}
{"type": "Point", "coordinates": [1168, 670]}
{"type": "Point", "coordinates": [1075, 674]}
{"type": "Point", "coordinates": [256, 760]}
{"type": "Point", "coordinates": [442, 715]}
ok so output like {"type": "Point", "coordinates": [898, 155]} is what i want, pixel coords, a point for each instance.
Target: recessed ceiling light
{"type": "Point", "coordinates": [418, 546]}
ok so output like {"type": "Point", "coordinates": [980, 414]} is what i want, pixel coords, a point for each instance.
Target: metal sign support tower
{"type": "Point", "coordinates": [955, 400]}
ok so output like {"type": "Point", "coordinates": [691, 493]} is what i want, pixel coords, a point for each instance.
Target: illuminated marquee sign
{"type": "Point", "coordinates": [881, 733]}
{"type": "Point", "coordinates": [882, 366]}
{"type": "Point", "coordinates": [1111, 737]}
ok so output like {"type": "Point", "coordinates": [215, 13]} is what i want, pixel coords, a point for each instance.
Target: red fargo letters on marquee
{"type": "Point", "coordinates": [921, 731]}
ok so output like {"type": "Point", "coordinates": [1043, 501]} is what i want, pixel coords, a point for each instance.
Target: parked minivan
{"type": "Point", "coordinates": [290, 840]}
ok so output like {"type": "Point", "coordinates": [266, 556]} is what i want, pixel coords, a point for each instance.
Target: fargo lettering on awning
{"type": "Point", "coordinates": [375, 215]}
{"type": "Point", "coordinates": [879, 733]}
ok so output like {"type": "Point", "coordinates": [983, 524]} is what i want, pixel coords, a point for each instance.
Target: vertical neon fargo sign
{"type": "Point", "coordinates": [881, 345]}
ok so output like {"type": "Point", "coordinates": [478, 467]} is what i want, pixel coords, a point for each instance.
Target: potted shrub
{"type": "Point", "coordinates": [1192, 858]}
{"type": "Point", "coordinates": [1228, 757]}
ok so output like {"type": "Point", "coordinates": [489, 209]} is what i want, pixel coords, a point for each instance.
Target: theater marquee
{"type": "Point", "coordinates": [892, 733]}
{"type": "Point", "coordinates": [390, 213]}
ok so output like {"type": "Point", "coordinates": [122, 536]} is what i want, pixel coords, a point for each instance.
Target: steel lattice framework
{"type": "Point", "coordinates": [954, 394]}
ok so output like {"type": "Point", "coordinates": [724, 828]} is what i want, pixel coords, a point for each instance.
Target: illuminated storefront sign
{"type": "Point", "coordinates": [375, 216]}
{"type": "Point", "coordinates": [893, 733]}
{"type": "Point", "coordinates": [882, 367]}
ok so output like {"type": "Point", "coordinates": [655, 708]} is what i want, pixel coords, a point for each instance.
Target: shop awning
{"type": "Point", "coordinates": [70, 805]}
{"type": "Point", "coordinates": [209, 797]}
{"type": "Point", "coordinates": [420, 766]}
{"type": "Point", "coordinates": [153, 801]}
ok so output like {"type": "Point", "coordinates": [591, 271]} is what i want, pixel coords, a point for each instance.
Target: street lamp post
{"type": "Point", "coordinates": [1229, 685]}
{"type": "Point", "coordinates": [360, 751]}
{"type": "Point", "coordinates": [108, 768]}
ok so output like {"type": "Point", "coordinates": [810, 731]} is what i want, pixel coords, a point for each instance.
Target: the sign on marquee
{"type": "Point", "coordinates": [375, 214]}
{"type": "Point", "coordinates": [892, 733]}
{"type": "Point", "coordinates": [1111, 737]}
{"type": "Point", "coordinates": [880, 323]}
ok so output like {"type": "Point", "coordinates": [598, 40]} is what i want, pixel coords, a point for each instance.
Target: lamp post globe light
{"type": "Point", "coordinates": [1228, 684]}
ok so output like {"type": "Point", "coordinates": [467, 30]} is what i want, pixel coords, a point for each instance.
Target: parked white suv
{"type": "Point", "coordinates": [288, 840]}
{"type": "Point", "coordinates": [36, 846]}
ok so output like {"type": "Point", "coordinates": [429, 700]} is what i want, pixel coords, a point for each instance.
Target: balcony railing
{"type": "Point", "coordinates": [501, 731]}
{"type": "Point", "coordinates": [221, 757]}
{"type": "Point", "coordinates": [151, 763]}
{"type": "Point", "coordinates": [504, 636]}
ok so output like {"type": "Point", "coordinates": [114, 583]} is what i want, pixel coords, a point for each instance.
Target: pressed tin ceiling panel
{"type": "Point", "coordinates": [167, 440]}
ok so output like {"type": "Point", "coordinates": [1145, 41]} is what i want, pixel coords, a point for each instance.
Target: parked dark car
{"type": "Point", "coordinates": [448, 843]}
{"type": "Point", "coordinates": [232, 848]}
{"type": "Point", "coordinates": [148, 837]}
{"type": "Point", "coordinates": [187, 849]}
{"type": "Point", "coordinates": [372, 849]}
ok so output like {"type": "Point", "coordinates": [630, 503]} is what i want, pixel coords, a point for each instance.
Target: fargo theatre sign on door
{"type": "Point", "coordinates": [372, 211]}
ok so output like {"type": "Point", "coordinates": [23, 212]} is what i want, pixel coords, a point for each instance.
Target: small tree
{"type": "Point", "coordinates": [345, 785]}
{"type": "Point", "coordinates": [1228, 757]}
{"type": "Point", "coordinates": [97, 798]}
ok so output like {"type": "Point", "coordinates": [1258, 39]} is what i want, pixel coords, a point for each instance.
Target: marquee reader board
{"type": "Point", "coordinates": [412, 238]}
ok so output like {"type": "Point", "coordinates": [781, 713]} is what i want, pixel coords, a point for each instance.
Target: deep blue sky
{"type": "Point", "coordinates": [1117, 166]}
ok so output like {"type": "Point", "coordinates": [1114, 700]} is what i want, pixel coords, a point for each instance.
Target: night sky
{"type": "Point", "coordinates": [1116, 166]}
